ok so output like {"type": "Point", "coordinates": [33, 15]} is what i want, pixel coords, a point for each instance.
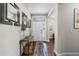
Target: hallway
{"type": "Point", "coordinates": [27, 29]}
{"type": "Point", "coordinates": [22, 22]}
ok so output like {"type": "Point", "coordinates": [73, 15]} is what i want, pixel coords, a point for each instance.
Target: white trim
{"type": "Point", "coordinates": [67, 53]}
{"type": "Point", "coordinates": [71, 54]}
{"type": "Point", "coordinates": [39, 14]}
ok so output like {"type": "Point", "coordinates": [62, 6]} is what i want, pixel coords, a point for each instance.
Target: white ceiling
{"type": "Point", "coordinates": [39, 8]}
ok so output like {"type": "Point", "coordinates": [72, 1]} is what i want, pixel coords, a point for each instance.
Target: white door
{"type": "Point", "coordinates": [39, 28]}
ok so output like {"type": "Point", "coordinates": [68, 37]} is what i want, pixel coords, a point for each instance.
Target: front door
{"type": "Point", "coordinates": [39, 28]}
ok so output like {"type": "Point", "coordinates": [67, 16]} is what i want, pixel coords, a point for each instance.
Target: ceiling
{"type": "Point", "coordinates": [39, 8]}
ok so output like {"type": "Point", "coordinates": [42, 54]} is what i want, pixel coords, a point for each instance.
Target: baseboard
{"type": "Point", "coordinates": [71, 54]}
{"type": "Point", "coordinates": [57, 54]}
{"type": "Point", "coordinates": [67, 53]}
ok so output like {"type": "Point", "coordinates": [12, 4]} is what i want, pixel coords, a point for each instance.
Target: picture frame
{"type": "Point", "coordinates": [24, 21]}
{"type": "Point", "coordinates": [76, 18]}
{"type": "Point", "coordinates": [29, 24]}
{"type": "Point", "coordinates": [3, 14]}
{"type": "Point", "coordinates": [12, 14]}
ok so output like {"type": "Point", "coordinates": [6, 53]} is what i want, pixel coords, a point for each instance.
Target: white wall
{"type": "Point", "coordinates": [24, 9]}
{"type": "Point", "coordinates": [52, 22]}
{"type": "Point", "coordinates": [68, 37]}
{"type": "Point", "coordinates": [10, 37]}
{"type": "Point", "coordinates": [9, 40]}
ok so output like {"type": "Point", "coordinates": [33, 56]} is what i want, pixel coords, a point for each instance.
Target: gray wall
{"type": "Point", "coordinates": [68, 37]}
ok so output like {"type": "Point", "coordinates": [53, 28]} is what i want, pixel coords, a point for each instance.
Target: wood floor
{"type": "Point", "coordinates": [50, 48]}
{"type": "Point", "coordinates": [37, 48]}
